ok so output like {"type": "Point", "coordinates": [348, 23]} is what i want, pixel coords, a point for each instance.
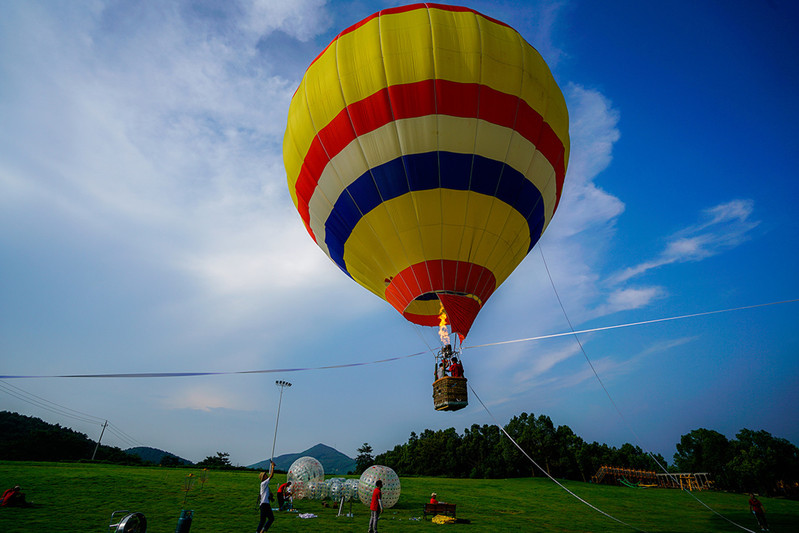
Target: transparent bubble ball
{"type": "Point", "coordinates": [302, 472]}
{"type": "Point", "coordinates": [315, 490]}
{"type": "Point", "coordinates": [351, 489]}
{"type": "Point", "coordinates": [391, 485]}
{"type": "Point", "coordinates": [335, 490]}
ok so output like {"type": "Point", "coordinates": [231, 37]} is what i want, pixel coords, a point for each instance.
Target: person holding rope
{"type": "Point", "coordinates": [267, 516]}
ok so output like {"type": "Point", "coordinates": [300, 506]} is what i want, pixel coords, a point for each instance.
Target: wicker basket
{"type": "Point", "coordinates": [450, 394]}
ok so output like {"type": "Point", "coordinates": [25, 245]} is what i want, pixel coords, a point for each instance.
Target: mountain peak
{"type": "Point", "coordinates": [333, 461]}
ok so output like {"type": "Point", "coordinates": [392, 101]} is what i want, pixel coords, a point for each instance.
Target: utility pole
{"type": "Point", "coordinates": [282, 384]}
{"type": "Point", "coordinates": [98, 440]}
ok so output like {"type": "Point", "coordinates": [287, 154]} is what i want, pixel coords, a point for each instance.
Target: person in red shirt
{"type": "Point", "coordinates": [284, 495]}
{"type": "Point", "coordinates": [13, 498]}
{"type": "Point", "coordinates": [376, 507]}
{"type": "Point", "coordinates": [456, 368]}
{"type": "Point", "coordinates": [433, 500]}
{"type": "Point", "coordinates": [757, 509]}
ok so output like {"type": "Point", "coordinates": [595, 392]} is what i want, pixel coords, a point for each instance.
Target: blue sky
{"type": "Point", "coordinates": [146, 226]}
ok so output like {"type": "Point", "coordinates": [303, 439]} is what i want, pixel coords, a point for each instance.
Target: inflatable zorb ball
{"type": "Point", "coordinates": [336, 488]}
{"type": "Point", "coordinates": [302, 472]}
{"type": "Point", "coordinates": [315, 490]}
{"type": "Point", "coordinates": [351, 490]}
{"type": "Point", "coordinates": [333, 488]}
{"type": "Point", "coordinates": [391, 485]}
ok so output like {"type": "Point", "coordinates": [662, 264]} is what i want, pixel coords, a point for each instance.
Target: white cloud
{"type": "Point", "coordinates": [582, 229]}
{"type": "Point", "coordinates": [302, 19]}
{"type": "Point", "coordinates": [139, 128]}
{"type": "Point", "coordinates": [722, 227]}
{"type": "Point", "coordinates": [205, 398]}
{"type": "Point", "coordinates": [629, 298]}
{"type": "Point", "coordinates": [543, 362]}
{"type": "Point", "coordinates": [593, 130]}
{"type": "Point", "coordinates": [608, 368]}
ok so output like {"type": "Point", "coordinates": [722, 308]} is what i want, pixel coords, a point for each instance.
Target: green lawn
{"type": "Point", "coordinates": [81, 498]}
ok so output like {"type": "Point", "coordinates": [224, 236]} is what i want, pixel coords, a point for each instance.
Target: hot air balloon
{"type": "Point", "coordinates": [425, 151]}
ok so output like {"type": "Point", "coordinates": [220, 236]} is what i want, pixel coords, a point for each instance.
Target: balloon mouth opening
{"type": "Point", "coordinates": [434, 295]}
{"type": "Point", "coordinates": [421, 290]}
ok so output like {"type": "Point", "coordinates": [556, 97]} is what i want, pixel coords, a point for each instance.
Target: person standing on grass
{"type": "Point", "coordinates": [757, 509]}
{"type": "Point", "coordinates": [376, 507]}
{"type": "Point", "coordinates": [267, 516]}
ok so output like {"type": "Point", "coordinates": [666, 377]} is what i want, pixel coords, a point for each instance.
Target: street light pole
{"type": "Point", "coordinates": [282, 384]}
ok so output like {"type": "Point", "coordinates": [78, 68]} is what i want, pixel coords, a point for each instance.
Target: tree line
{"type": "Point", "coordinates": [25, 438]}
{"type": "Point", "coordinates": [754, 460]}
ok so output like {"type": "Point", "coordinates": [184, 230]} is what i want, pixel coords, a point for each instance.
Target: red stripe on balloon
{"type": "Point", "coordinates": [422, 320]}
{"type": "Point", "coordinates": [464, 100]}
{"type": "Point", "coordinates": [439, 275]}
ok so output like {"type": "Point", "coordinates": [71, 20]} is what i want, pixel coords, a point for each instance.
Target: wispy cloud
{"type": "Point", "coordinates": [629, 298]}
{"type": "Point", "coordinates": [162, 129]}
{"type": "Point", "coordinates": [205, 398]}
{"type": "Point", "coordinates": [608, 368]}
{"type": "Point", "coordinates": [722, 227]}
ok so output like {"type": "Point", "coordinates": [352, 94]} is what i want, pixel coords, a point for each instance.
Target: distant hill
{"type": "Point", "coordinates": [26, 438]}
{"type": "Point", "coordinates": [156, 456]}
{"type": "Point", "coordinates": [333, 461]}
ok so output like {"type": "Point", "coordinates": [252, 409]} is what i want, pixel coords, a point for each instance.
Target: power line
{"type": "Point", "coordinates": [43, 403]}
{"type": "Point", "coordinates": [381, 361]}
{"type": "Point", "coordinates": [64, 411]}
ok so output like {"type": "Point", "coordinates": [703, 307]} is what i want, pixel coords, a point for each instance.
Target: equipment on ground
{"type": "Point", "coordinates": [184, 521]}
{"type": "Point", "coordinates": [129, 522]}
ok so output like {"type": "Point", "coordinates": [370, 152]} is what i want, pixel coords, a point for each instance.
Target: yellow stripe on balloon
{"type": "Point", "coordinates": [392, 241]}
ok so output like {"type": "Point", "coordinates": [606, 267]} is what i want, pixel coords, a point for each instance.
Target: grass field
{"type": "Point", "coordinates": [81, 498]}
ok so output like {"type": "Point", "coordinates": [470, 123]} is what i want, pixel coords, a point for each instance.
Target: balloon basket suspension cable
{"type": "Point", "coordinates": [615, 406]}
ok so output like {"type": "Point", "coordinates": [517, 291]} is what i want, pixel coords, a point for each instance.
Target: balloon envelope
{"type": "Point", "coordinates": [425, 150]}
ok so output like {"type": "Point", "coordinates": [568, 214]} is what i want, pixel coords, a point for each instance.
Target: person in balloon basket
{"type": "Point", "coordinates": [757, 509]}
{"type": "Point", "coordinates": [265, 506]}
{"type": "Point", "coordinates": [441, 370]}
{"type": "Point", "coordinates": [376, 507]}
{"type": "Point", "coordinates": [456, 368]}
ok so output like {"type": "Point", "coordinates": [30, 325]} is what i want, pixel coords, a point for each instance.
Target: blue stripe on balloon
{"type": "Point", "coordinates": [431, 170]}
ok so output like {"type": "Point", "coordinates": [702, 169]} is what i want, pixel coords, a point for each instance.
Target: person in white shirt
{"type": "Point", "coordinates": [267, 516]}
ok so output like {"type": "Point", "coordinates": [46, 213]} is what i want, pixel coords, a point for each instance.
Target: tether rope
{"type": "Point", "coordinates": [630, 324]}
{"type": "Point", "coordinates": [616, 407]}
{"type": "Point", "coordinates": [558, 483]}
{"type": "Point", "coordinates": [390, 359]}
